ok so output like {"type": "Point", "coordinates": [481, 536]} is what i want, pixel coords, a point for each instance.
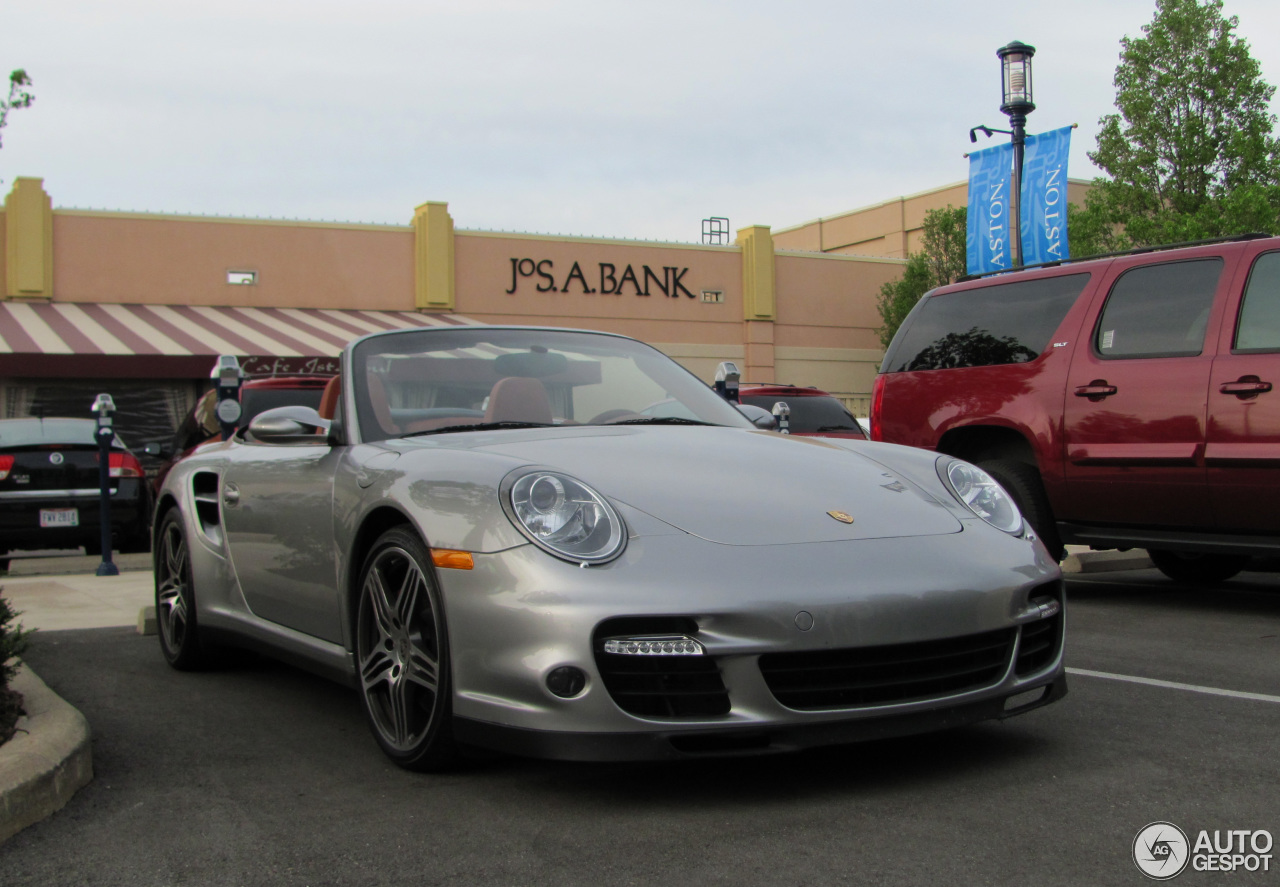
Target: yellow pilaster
{"type": "Point", "coordinates": [759, 287]}
{"type": "Point", "coordinates": [433, 257]}
{"type": "Point", "coordinates": [759, 302]}
{"type": "Point", "coordinates": [28, 241]}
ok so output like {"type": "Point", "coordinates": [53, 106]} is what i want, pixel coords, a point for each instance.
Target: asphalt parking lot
{"type": "Point", "coordinates": [261, 774]}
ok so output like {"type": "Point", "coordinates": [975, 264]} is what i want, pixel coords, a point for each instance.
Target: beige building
{"type": "Point", "coordinates": [892, 229]}
{"type": "Point", "coordinates": [140, 304]}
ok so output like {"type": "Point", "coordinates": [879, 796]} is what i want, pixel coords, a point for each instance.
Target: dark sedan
{"type": "Point", "coordinates": [49, 490]}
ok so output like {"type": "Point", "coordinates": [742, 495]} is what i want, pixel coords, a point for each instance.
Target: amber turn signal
{"type": "Point", "coordinates": [452, 560]}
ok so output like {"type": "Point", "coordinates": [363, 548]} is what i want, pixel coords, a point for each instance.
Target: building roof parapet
{"type": "Point", "coordinates": [580, 238]}
{"type": "Point", "coordinates": [232, 220]}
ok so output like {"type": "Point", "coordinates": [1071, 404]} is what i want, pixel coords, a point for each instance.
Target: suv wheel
{"type": "Point", "coordinates": [1022, 482]}
{"type": "Point", "coordinates": [1197, 569]}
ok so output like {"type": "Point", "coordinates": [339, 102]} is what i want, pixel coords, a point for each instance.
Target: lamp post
{"type": "Point", "coordinates": [1015, 82]}
{"type": "Point", "coordinates": [104, 406]}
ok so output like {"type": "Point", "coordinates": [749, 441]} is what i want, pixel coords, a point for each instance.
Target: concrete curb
{"type": "Point", "coordinates": [47, 761]}
{"type": "Point", "coordinates": [1106, 561]}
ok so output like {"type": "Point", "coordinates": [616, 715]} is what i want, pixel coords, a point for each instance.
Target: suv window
{"type": "Point", "coordinates": [1259, 328]}
{"type": "Point", "coordinates": [1005, 323]}
{"type": "Point", "coordinates": [1158, 310]}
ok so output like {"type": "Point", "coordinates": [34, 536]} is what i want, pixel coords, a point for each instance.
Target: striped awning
{"type": "Point", "coordinates": [110, 340]}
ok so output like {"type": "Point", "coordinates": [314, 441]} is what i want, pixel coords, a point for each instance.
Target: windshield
{"type": "Point", "coordinates": [432, 381]}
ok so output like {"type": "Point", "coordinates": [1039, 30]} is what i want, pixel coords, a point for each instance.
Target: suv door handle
{"type": "Point", "coordinates": [1247, 386]}
{"type": "Point", "coordinates": [1096, 390]}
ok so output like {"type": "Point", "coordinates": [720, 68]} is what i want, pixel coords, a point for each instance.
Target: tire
{"type": "Point", "coordinates": [176, 622]}
{"type": "Point", "coordinates": [1022, 482]}
{"type": "Point", "coordinates": [402, 654]}
{"type": "Point", "coordinates": [1197, 569]}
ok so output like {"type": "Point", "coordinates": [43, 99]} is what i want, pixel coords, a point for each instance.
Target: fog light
{"type": "Point", "coordinates": [566, 681]}
{"type": "Point", "coordinates": [664, 645]}
{"type": "Point", "coordinates": [1043, 607]}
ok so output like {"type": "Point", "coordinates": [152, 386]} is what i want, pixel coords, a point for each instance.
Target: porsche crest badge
{"type": "Point", "coordinates": [841, 516]}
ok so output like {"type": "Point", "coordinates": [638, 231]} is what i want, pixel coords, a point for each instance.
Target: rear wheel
{"type": "Point", "coordinates": [402, 651]}
{"type": "Point", "coordinates": [1022, 482]}
{"type": "Point", "coordinates": [176, 621]}
{"type": "Point", "coordinates": [1197, 569]}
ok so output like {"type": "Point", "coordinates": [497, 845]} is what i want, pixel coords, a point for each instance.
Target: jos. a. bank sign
{"type": "Point", "coordinates": [602, 277]}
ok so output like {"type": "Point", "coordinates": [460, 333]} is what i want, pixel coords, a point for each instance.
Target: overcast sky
{"type": "Point", "coordinates": [598, 118]}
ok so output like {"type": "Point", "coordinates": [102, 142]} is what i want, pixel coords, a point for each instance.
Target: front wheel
{"type": "Point", "coordinates": [1197, 569]}
{"type": "Point", "coordinates": [1022, 482]}
{"type": "Point", "coordinates": [402, 651]}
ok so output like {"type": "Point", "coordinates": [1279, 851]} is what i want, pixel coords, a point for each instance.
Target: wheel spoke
{"type": "Point", "coordinates": [375, 669]}
{"type": "Point", "coordinates": [176, 617]}
{"type": "Point", "coordinates": [175, 553]}
{"type": "Point", "coordinates": [407, 601]}
{"type": "Point", "coordinates": [399, 708]}
{"type": "Point", "coordinates": [422, 669]}
{"type": "Point", "coordinates": [380, 606]}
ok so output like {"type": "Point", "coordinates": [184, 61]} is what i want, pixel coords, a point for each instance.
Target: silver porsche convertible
{"type": "Point", "coordinates": [498, 540]}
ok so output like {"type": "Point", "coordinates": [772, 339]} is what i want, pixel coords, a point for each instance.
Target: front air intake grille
{"type": "Point", "coordinates": [1040, 644]}
{"type": "Point", "coordinates": [866, 676]}
{"type": "Point", "coordinates": [660, 686]}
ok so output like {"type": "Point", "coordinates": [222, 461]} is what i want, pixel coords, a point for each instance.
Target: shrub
{"type": "Point", "coordinates": [13, 640]}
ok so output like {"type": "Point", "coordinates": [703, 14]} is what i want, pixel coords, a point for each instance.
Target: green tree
{"type": "Point", "coordinates": [1190, 154]}
{"type": "Point", "coordinates": [941, 261]}
{"type": "Point", "coordinates": [19, 95]}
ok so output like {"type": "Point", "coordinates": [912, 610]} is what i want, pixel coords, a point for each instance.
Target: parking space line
{"type": "Point", "coordinates": [1173, 685]}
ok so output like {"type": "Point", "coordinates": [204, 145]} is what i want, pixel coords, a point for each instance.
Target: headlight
{"type": "Point", "coordinates": [563, 515]}
{"type": "Point", "coordinates": [982, 494]}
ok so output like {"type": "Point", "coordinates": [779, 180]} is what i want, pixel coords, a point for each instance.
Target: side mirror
{"type": "Point", "coordinates": [160, 451]}
{"type": "Point", "coordinates": [290, 425]}
{"type": "Point", "coordinates": [759, 416]}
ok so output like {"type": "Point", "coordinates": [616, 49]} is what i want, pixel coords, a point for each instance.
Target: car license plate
{"type": "Point", "coordinates": [59, 517]}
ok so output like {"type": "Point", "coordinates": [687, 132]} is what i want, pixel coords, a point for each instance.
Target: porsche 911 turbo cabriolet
{"type": "Point", "coordinates": [483, 533]}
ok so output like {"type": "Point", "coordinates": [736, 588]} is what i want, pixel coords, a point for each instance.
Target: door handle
{"type": "Point", "coordinates": [1246, 386]}
{"type": "Point", "coordinates": [230, 495]}
{"type": "Point", "coordinates": [1096, 390]}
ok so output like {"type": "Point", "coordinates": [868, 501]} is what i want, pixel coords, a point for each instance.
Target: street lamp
{"type": "Point", "coordinates": [1015, 82]}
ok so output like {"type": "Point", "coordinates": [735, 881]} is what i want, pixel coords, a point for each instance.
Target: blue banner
{"type": "Point", "coordinates": [987, 236]}
{"type": "Point", "coordinates": [1043, 207]}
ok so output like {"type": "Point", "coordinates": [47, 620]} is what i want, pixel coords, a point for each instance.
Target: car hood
{"type": "Point", "coordinates": [731, 486]}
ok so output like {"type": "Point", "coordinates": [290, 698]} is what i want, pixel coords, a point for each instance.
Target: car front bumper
{"type": "Point", "coordinates": [521, 614]}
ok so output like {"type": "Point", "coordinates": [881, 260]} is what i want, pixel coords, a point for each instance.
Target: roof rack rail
{"type": "Point", "coordinates": [1135, 251]}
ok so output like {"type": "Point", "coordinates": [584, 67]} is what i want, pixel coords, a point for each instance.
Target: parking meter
{"type": "Point", "coordinates": [782, 414]}
{"type": "Point", "coordinates": [105, 434]}
{"type": "Point", "coordinates": [228, 376]}
{"type": "Point", "coordinates": [727, 377]}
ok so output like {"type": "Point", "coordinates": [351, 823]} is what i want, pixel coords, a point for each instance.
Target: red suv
{"type": "Point", "coordinates": [1124, 401]}
{"type": "Point", "coordinates": [814, 413]}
